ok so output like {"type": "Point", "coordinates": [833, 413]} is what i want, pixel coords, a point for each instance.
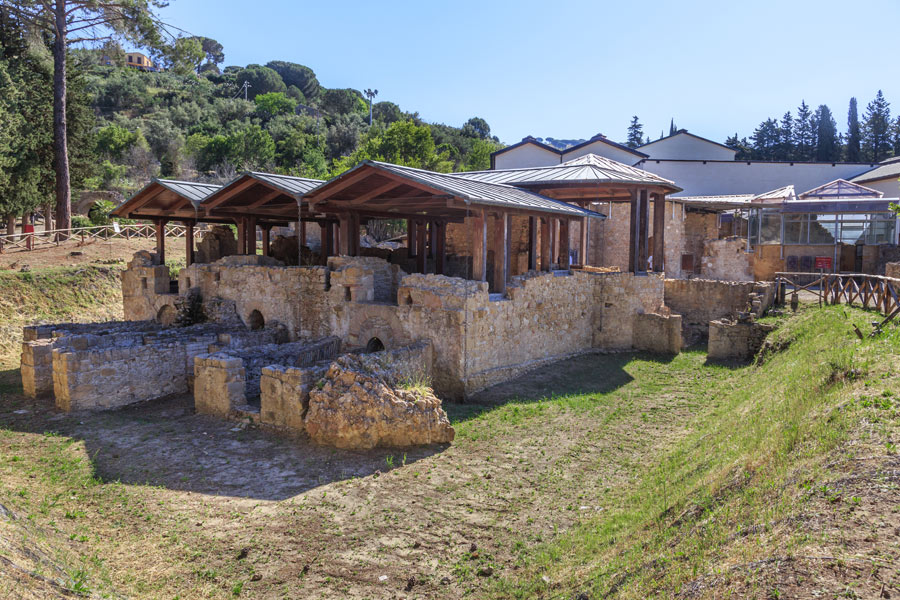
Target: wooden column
{"type": "Point", "coordinates": [479, 247]}
{"type": "Point", "coordinates": [554, 243]}
{"type": "Point", "coordinates": [432, 238]}
{"type": "Point", "coordinates": [583, 242]}
{"type": "Point", "coordinates": [335, 249]}
{"type": "Point", "coordinates": [353, 235]}
{"type": "Point", "coordinates": [160, 226]}
{"type": "Point", "coordinates": [265, 239]}
{"type": "Point", "coordinates": [301, 233]}
{"type": "Point", "coordinates": [564, 243]}
{"type": "Point", "coordinates": [251, 236]}
{"type": "Point", "coordinates": [501, 253]}
{"type": "Point", "coordinates": [633, 235]}
{"type": "Point", "coordinates": [327, 237]}
{"type": "Point", "coordinates": [242, 235]}
{"type": "Point", "coordinates": [644, 247]}
{"type": "Point", "coordinates": [420, 247]}
{"type": "Point", "coordinates": [440, 250]}
{"type": "Point", "coordinates": [532, 244]}
{"type": "Point", "coordinates": [344, 234]}
{"type": "Point", "coordinates": [188, 243]}
{"type": "Point", "coordinates": [411, 237]}
{"type": "Point", "coordinates": [545, 243]}
{"type": "Point", "coordinates": [659, 233]}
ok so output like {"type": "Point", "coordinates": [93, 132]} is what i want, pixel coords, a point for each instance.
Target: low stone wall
{"type": "Point", "coordinates": [284, 390]}
{"type": "Point", "coordinates": [700, 301]}
{"type": "Point", "coordinates": [227, 379]}
{"type": "Point", "coordinates": [657, 333]}
{"type": "Point", "coordinates": [736, 340]}
{"type": "Point", "coordinates": [726, 260]}
{"type": "Point", "coordinates": [892, 270]}
{"type": "Point", "coordinates": [617, 298]}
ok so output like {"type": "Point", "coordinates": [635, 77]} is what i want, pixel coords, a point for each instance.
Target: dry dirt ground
{"type": "Point", "coordinates": [166, 503]}
{"type": "Point", "coordinates": [96, 252]}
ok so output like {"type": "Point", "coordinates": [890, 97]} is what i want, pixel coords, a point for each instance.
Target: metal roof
{"type": "Point", "coordinates": [887, 169]}
{"type": "Point", "coordinates": [587, 169]}
{"type": "Point", "coordinates": [722, 202]}
{"type": "Point", "coordinates": [459, 185]}
{"type": "Point", "coordinates": [782, 193]}
{"type": "Point", "coordinates": [693, 135]}
{"type": "Point", "coordinates": [296, 186]}
{"type": "Point", "coordinates": [191, 190]}
{"type": "Point", "coordinates": [563, 151]}
{"type": "Point", "coordinates": [841, 188]}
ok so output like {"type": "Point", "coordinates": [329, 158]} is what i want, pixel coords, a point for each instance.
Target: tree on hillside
{"type": "Point", "coordinates": [185, 56]}
{"type": "Point", "coordinates": [402, 143]}
{"type": "Point", "coordinates": [804, 133]}
{"type": "Point", "coordinates": [480, 155]}
{"type": "Point", "coordinates": [215, 53]}
{"type": "Point", "coordinates": [300, 76]}
{"type": "Point", "coordinates": [343, 102]}
{"type": "Point", "coordinates": [876, 143]}
{"type": "Point", "coordinates": [853, 133]}
{"type": "Point", "coordinates": [828, 146]}
{"type": "Point", "coordinates": [69, 22]}
{"type": "Point", "coordinates": [635, 133]}
{"type": "Point", "coordinates": [262, 80]}
{"type": "Point", "coordinates": [477, 127]}
{"type": "Point", "coordinates": [273, 104]}
{"type": "Point", "coordinates": [766, 140]}
{"type": "Point", "coordinates": [387, 113]}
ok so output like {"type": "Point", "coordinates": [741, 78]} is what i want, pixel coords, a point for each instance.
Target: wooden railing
{"type": "Point", "coordinates": [867, 291]}
{"type": "Point", "coordinates": [42, 239]}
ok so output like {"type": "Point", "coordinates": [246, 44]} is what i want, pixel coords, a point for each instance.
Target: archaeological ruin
{"type": "Point", "coordinates": [282, 316]}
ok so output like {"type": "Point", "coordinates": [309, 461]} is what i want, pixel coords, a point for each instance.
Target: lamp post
{"type": "Point", "coordinates": [370, 94]}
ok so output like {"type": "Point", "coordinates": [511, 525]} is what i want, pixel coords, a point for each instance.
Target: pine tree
{"type": "Point", "coordinates": [766, 140]}
{"type": "Point", "coordinates": [896, 137]}
{"type": "Point", "coordinates": [853, 135]}
{"type": "Point", "coordinates": [786, 148]}
{"type": "Point", "coordinates": [804, 133]}
{"type": "Point", "coordinates": [741, 145]}
{"type": "Point", "coordinates": [672, 128]}
{"type": "Point", "coordinates": [827, 146]}
{"type": "Point", "coordinates": [635, 133]}
{"type": "Point", "coordinates": [876, 143]}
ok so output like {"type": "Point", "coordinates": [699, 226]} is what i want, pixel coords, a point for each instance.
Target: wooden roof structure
{"type": "Point", "coordinates": [167, 198]}
{"type": "Point", "coordinates": [265, 196]}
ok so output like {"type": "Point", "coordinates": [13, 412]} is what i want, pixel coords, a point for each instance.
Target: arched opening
{"type": "Point", "coordinates": [166, 315]}
{"type": "Point", "coordinates": [374, 345]}
{"type": "Point", "coordinates": [256, 321]}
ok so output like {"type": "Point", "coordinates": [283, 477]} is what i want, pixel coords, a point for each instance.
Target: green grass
{"type": "Point", "coordinates": [770, 429]}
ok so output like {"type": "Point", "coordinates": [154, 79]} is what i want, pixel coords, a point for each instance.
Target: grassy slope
{"type": "Point", "coordinates": [751, 484]}
{"type": "Point", "coordinates": [54, 295]}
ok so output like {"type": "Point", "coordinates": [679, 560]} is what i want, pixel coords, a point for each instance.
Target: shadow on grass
{"type": "Point", "coordinates": [165, 443]}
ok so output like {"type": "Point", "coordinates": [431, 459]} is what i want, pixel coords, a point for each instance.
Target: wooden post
{"type": "Point", "coordinates": [344, 234]}
{"type": "Point", "coordinates": [160, 240]}
{"type": "Point", "coordinates": [583, 243]}
{"type": "Point", "coordinates": [564, 243]}
{"type": "Point", "coordinates": [554, 243]}
{"type": "Point", "coordinates": [545, 243]}
{"type": "Point", "coordinates": [432, 237]}
{"type": "Point", "coordinates": [265, 239]}
{"type": "Point", "coordinates": [479, 246]}
{"type": "Point", "coordinates": [501, 253]}
{"type": "Point", "coordinates": [411, 237]}
{"type": "Point", "coordinates": [532, 244]}
{"type": "Point", "coordinates": [335, 248]}
{"type": "Point", "coordinates": [420, 247]}
{"type": "Point", "coordinates": [354, 232]}
{"type": "Point", "coordinates": [659, 233]}
{"type": "Point", "coordinates": [327, 236]}
{"type": "Point", "coordinates": [301, 233]}
{"type": "Point", "coordinates": [251, 236]}
{"type": "Point", "coordinates": [644, 232]}
{"type": "Point", "coordinates": [633, 228]}
{"type": "Point", "coordinates": [440, 251]}
{"type": "Point", "coordinates": [188, 243]}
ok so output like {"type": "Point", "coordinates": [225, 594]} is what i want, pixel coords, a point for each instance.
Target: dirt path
{"type": "Point", "coordinates": [75, 253]}
{"type": "Point", "coordinates": [221, 509]}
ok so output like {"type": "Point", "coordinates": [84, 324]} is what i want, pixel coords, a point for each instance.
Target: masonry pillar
{"type": "Point", "coordinates": [479, 247]}
{"type": "Point", "coordinates": [659, 233]}
{"type": "Point", "coordinates": [532, 244]}
{"type": "Point", "coordinates": [188, 243]}
{"type": "Point", "coordinates": [564, 243]}
{"type": "Point", "coordinates": [160, 226]}
{"type": "Point", "coordinates": [421, 254]}
{"type": "Point", "coordinates": [501, 253]}
{"type": "Point", "coordinates": [545, 243]}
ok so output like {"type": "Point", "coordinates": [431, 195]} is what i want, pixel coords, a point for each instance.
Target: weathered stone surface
{"type": "Point", "coordinates": [217, 242]}
{"type": "Point", "coordinates": [362, 403]}
{"type": "Point", "coordinates": [700, 301]}
{"type": "Point", "coordinates": [892, 270]}
{"type": "Point", "coordinates": [736, 340]}
{"type": "Point", "coordinates": [657, 333]}
{"type": "Point", "coordinates": [726, 260]}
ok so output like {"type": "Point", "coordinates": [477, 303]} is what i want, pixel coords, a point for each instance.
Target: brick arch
{"type": "Point", "coordinates": [166, 315]}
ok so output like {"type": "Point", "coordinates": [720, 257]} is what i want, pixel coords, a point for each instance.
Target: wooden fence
{"type": "Point", "coordinates": [43, 239]}
{"type": "Point", "coordinates": [868, 291]}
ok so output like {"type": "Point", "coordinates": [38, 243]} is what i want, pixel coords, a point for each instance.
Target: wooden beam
{"type": "Point", "coordinates": [532, 244]}
{"type": "Point", "coordinates": [354, 232]}
{"type": "Point", "coordinates": [501, 253]}
{"type": "Point", "coordinates": [327, 237]}
{"type": "Point", "coordinates": [545, 244]}
{"type": "Point", "coordinates": [563, 243]}
{"type": "Point", "coordinates": [420, 247]}
{"type": "Point", "coordinates": [440, 252]}
{"type": "Point", "coordinates": [345, 235]}
{"type": "Point", "coordinates": [382, 189]}
{"type": "Point", "coordinates": [411, 237]}
{"type": "Point", "coordinates": [554, 243]}
{"type": "Point", "coordinates": [301, 233]}
{"type": "Point", "coordinates": [271, 195]}
{"type": "Point", "coordinates": [160, 227]}
{"type": "Point", "coordinates": [633, 226]}
{"type": "Point", "coordinates": [659, 232]}
{"type": "Point", "coordinates": [479, 246]}
{"type": "Point", "coordinates": [431, 238]}
{"type": "Point", "coordinates": [251, 235]}
{"type": "Point", "coordinates": [342, 183]}
{"type": "Point", "coordinates": [242, 235]}
{"type": "Point", "coordinates": [188, 243]}
{"type": "Point", "coordinates": [644, 248]}
{"type": "Point", "coordinates": [583, 242]}
{"type": "Point", "coordinates": [265, 239]}
{"type": "Point", "coordinates": [231, 192]}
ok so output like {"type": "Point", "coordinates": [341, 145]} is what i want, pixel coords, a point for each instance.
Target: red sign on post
{"type": "Point", "coordinates": [823, 263]}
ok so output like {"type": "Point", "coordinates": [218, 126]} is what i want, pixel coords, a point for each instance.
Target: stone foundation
{"type": "Point", "coordinates": [700, 301]}
{"type": "Point", "coordinates": [736, 340]}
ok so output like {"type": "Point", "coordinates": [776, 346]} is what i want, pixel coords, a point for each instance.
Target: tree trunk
{"type": "Point", "coordinates": [60, 142]}
{"type": "Point", "coordinates": [48, 217]}
{"type": "Point", "coordinates": [10, 224]}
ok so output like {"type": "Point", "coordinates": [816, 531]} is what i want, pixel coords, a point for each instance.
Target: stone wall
{"type": "Point", "coordinates": [698, 228]}
{"type": "Point", "coordinates": [736, 340]}
{"type": "Point", "coordinates": [146, 288]}
{"type": "Point", "coordinates": [617, 298]}
{"type": "Point", "coordinates": [700, 301]}
{"type": "Point", "coordinates": [892, 270]}
{"type": "Point", "coordinates": [609, 244]}
{"type": "Point", "coordinates": [726, 260]}
{"type": "Point", "coordinates": [226, 380]}
{"type": "Point", "coordinates": [657, 333]}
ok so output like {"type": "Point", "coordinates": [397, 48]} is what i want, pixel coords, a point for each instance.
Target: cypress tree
{"type": "Point", "coordinates": [635, 133]}
{"type": "Point", "coordinates": [876, 144]}
{"type": "Point", "coordinates": [786, 148]}
{"type": "Point", "coordinates": [853, 136]}
{"type": "Point", "coordinates": [804, 133]}
{"type": "Point", "coordinates": [827, 147]}
{"type": "Point", "coordinates": [672, 129]}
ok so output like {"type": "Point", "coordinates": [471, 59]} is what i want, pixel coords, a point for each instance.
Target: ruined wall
{"type": "Point", "coordinates": [726, 260]}
{"type": "Point", "coordinates": [892, 270]}
{"type": "Point", "coordinates": [610, 239]}
{"type": "Point", "coordinates": [700, 301]}
{"type": "Point", "coordinates": [617, 297]}
{"type": "Point", "coordinates": [657, 333]}
{"type": "Point", "coordinates": [146, 288]}
{"type": "Point", "coordinates": [698, 228]}
{"type": "Point", "coordinates": [736, 340]}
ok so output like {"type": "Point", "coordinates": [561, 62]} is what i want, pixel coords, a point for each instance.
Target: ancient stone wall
{"type": "Point", "coordinates": [892, 270]}
{"type": "Point", "coordinates": [617, 298]}
{"type": "Point", "coordinates": [700, 301]}
{"type": "Point", "coordinates": [726, 260]}
{"type": "Point", "coordinates": [657, 333]}
{"type": "Point", "coordinates": [736, 340]}
{"type": "Point", "coordinates": [146, 288]}
{"type": "Point", "coordinates": [698, 228]}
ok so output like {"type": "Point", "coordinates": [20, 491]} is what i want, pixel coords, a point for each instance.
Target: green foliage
{"type": "Point", "coordinates": [81, 221]}
{"type": "Point", "coordinates": [299, 76]}
{"type": "Point", "coordinates": [343, 101]}
{"type": "Point", "coordinates": [876, 130]}
{"type": "Point", "coordinates": [262, 80]}
{"type": "Point", "coordinates": [274, 103]}
{"type": "Point", "coordinates": [635, 133]}
{"type": "Point", "coordinates": [402, 143]}
{"type": "Point", "coordinates": [99, 212]}
{"type": "Point", "coordinates": [114, 140]}
{"type": "Point", "coordinates": [185, 56]}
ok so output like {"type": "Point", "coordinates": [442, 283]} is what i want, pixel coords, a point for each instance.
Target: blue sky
{"type": "Point", "coordinates": [573, 68]}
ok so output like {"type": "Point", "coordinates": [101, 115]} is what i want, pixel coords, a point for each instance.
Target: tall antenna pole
{"type": "Point", "coordinates": [370, 93]}
{"type": "Point", "coordinates": [246, 87]}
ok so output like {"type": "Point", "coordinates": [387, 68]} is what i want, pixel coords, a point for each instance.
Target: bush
{"type": "Point", "coordinates": [99, 212]}
{"type": "Point", "coordinates": [81, 221]}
